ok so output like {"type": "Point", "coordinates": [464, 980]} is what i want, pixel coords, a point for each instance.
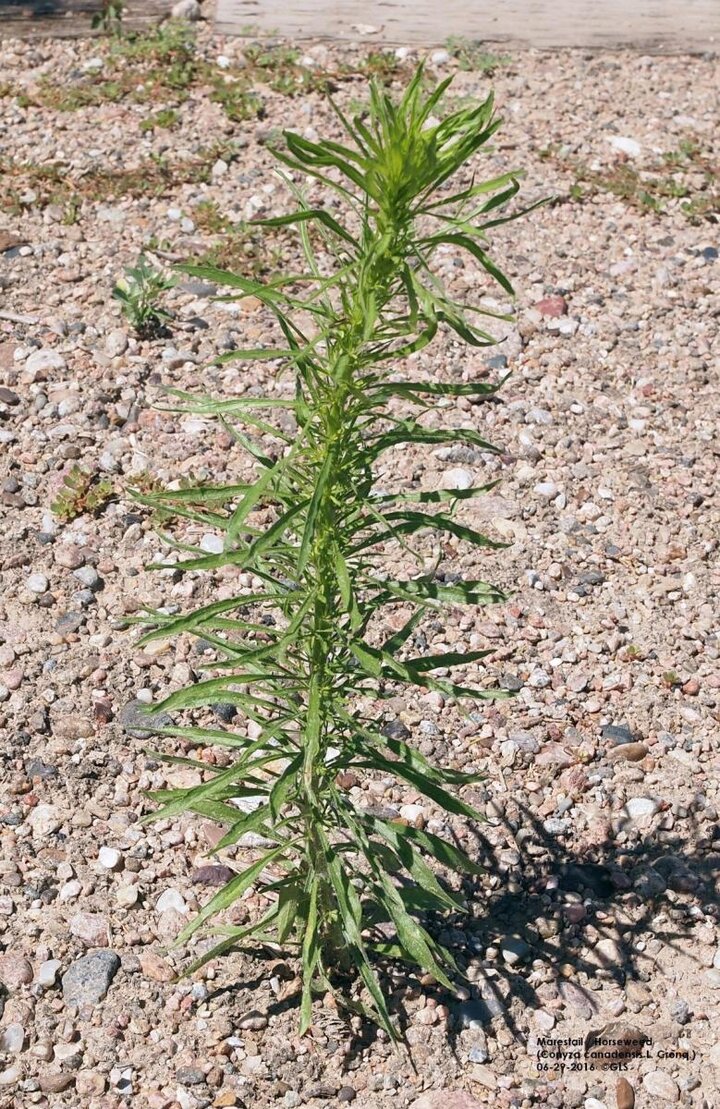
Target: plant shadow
{"type": "Point", "coordinates": [562, 903]}
{"type": "Point", "coordinates": [578, 916]}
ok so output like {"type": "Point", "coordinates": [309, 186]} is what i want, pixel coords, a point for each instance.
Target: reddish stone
{"type": "Point", "coordinates": [554, 306]}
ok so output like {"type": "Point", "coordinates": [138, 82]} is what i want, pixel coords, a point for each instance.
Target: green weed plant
{"type": "Point", "coordinates": [309, 646]}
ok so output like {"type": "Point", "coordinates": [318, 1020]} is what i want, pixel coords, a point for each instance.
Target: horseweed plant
{"type": "Point", "coordinates": [306, 648]}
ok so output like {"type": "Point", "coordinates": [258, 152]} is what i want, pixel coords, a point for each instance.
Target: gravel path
{"type": "Point", "coordinates": [599, 906]}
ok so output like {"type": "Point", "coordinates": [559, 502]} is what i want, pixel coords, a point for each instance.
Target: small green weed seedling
{"type": "Point", "coordinates": [166, 118]}
{"type": "Point", "coordinates": [326, 632]}
{"type": "Point", "coordinates": [139, 293]}
{"type": "Point", "coordinates": [82, 492]}
{"type": "Point", "coordinates": [109, 19]}
{"type": "Point", "coordinates": [472, 57]}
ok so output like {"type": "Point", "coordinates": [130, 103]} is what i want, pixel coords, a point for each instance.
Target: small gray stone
{"type": "Point", "coordinates": [87, 980]}
{"type": "Point", "coordinates": [617, 734]}
{"type": "Point", "coordinates": [514, 950]}
{"type": "Point", "coordinates": [395, 729]}
{"type": "Point", "coordinates": [37, 583]}
{"type": "Point", "coordinates": [89, 577]}
{"type": "Point", "coordinates": [680, 1010]}
{"type": "Point", "coordinates": [476, 1013]}
{"type": "Point", "coordinates": [137, 722]}
{"type": "Point", "coordinates": [190, 1076]}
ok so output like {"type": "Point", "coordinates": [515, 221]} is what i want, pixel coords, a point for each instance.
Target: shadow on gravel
{"type": "Point", "coordinates": [562, 904]}
{"type": "Point", "coordinates": [580, 915]}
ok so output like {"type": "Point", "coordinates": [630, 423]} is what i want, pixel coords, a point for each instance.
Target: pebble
{"type": "Point", "coordinates": [15, 971]}
{"type": "Point", "coordinates": [211, 874]}
{"type": "Point", "coordinates": [212, 543]}
{"type": "Point", "coordinates": [127, 896]}
{"type": "Point", "coordinates": [88, 576]}
{"type": "Point", "coordinates": [45, 819]}
{"type": "Point", "coordinates": [68, 556]}
{"type": "Point", "coordinates": [7, 396]}
{"type": "Point", "coordinates": [626, 145]}
{"type": "Point", "coordinates": [12, 1039]}
{"type": "Point", "coordinates": [37, 583]}
{"type": "Point", "coordinates": [479, 1011]}
{"type": "Point", "coordinates": [514, 950]}
{"type": "Point", "coordinates": [47, 972]}
{"type": "Point", "coordinates": [456, 479]}
{"type": "Point", "coordinates": [553, 306]}
{"type": "Point", "coordinates": [69, 891]}
{"type": "Point", "coordinates": [617, 734]}
{"type": "Point", "coordinates": [659, 1084]}
{"type": "Point", "coordinates": [254, 1021]}
{"type": "Point", "coordinates": [42, 362]}
{"type": "Point", "coordinates": [155, 968]}
{"type": "Point", "coordinates": [138, 723]}
{"type": "Point", "coordinates": [10, 1076]}
{"type": "Point", "coordinates": [109, 858]}
{"type": "Point", "coordinates": [116, 343]}
{"type": "Point", "coordinates": [190, 1076]}
{"type": "Point", "coordinates": [630, 752]}
{"type": "Point", "coordinates": [624, 1094]}
{"type": "Point", "coordinates": [547, 489]}
{"type": "Point", "coordinates": [413, 814]}
{"type": "Point", "coordinates": [54, 1082]}
{"type": "Point", "coordinates": [171, 899]}
{"type": "Point", "coordinates": [92, 928]}
{"type": "Point", "coordinates": [87, 980]}
{"type": "Point", "coordinates": [641, 808]}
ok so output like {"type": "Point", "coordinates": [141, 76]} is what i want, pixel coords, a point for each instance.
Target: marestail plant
{"type": "Point", "coordinates": [308, 646]}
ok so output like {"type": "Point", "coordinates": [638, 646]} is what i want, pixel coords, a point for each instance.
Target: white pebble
{"type": "Point", "coordinates": [37, 583]}
{"type": "Point", "coordinates": [546, 489]}
{"type": "Point", "coordinates": [625, 145]}
{"type": "Point", "coordinates": [211, 543]}
{"type": "Point", "coordinates": [457, 479]}
{"type": "Point", "coordinates": [70, 890]}
{"type": "Point", "coordinates": [638, 808]}
{"type": "Point", "coordinates": [41, 362]}
{"type": "Point", "coordinates": [47, 972]}
{"type": "Point", "coordinates": [171, 899]}
{"type": "Point", "coordinates": [109, 858]}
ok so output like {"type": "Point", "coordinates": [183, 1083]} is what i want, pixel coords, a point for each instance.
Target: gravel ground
{"type": "Point", "coordinates": [599, 906]}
